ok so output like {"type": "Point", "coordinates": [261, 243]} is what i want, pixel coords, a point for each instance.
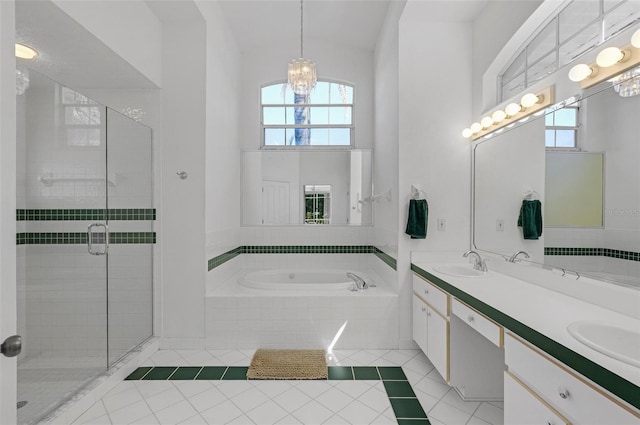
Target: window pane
{"type": "Point", "coordinates": [320, 136]}
{"type": "Point", "coordinates": [576, 16]}
{"type": "Point", "coordinates": [273, 115]}
{"type": "Point", "coordinates": [579, 44]}
{"type": "Point", "coordinates": [71, 97]}
{"type": "Point", "coordinates": [320, 93]}
{"type": "Point", "coordinates": [83, 137]}
{"type": "Point", "coordinates": [319, 115]}
{"type": "Point", "coordinates": [82, 115]}
{"type": "Point", "coordinates": [514, 69]}
{"type": "Point", "coordinates": [273, 94]}
{"type": "Point", "coordinates": [542, 69]}
{"type": "Point", "coordinates": [543, 43]}
{"type": "Point", "coordinates": [340, 136]}
{"type": "Point", "coordinates": [566, 117]}
{"type": "Point", "coordinates": [513, 87]}
{"type": "Point", "coordinates": [341, 93]}
{"type": "Point", "coordinates": [340, 115]}
{"type": "Point", "coordinates": [550, 138]}
{"type": "Point", "coordinates": [274, 136]}
{"type": "Point", "coordinates": [565, 138]}
{"type": "Point", "coordinates": [548, 119]}
{"type": "Point", "coordinates": [620, 18]}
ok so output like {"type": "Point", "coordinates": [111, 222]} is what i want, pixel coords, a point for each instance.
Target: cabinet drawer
{"type": "Point", "coordinates": [524, 407]}
{"type": "Point", "coordinates": [486, 327]}
{"type": "Point", "coordinates": [436, 297]}
{"type": "Point", "coordinates": [567, 391]}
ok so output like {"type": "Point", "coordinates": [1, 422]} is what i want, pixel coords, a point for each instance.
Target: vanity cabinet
{"type": "Point", "coordinates": [524, 407]}
{"type": "Point", "coordinates": [431, 323]}
{"type": "Point", "coordinates": [572, 397]}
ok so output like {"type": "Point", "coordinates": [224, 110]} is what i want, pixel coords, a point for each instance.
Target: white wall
{"type": "Point", "coordinates": [435, 96]}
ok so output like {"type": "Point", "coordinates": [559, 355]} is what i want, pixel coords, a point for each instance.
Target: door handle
{"type": "Point", "coordinates": [11, 346]}
{"type": "Point", "coordinates": [90, 239]}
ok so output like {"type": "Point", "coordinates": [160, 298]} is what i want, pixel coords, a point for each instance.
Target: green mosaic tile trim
{"type": "Point", "coordinates": [80, 238]}
{"type": "Point", "coordinates": [307, 249]}
{"type": "Point", "coordinates": [608, 380]}
{"type": "Point", "coordinates": [113, 214]}
{"type": "Point", "coordinates": [386, 258]}
{"type": "Point", "coordinates": [605, 252]}
{"type": "Point", "coordinates": [223, 258]}
{"type": "Point", "coordinates": [402, 398]}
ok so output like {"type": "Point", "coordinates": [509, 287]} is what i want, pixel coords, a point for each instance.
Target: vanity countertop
{"type": "Point", "coordinates": [541, 316]}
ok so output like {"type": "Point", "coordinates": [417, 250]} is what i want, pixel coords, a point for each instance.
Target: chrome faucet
{"type": "Point", "coordinates": [479, 263]}
{"type": "Point", "coordinates": [359, 282]}
{"type": "Point", "coordinates": [513, 258]}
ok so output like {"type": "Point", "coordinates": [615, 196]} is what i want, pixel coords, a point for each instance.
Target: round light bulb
{"type": "Point", "coordinates": [609, 57]}
{"type": "Point", "coordinates": [498, 116]}
{"type": "Point", "coordinates": [476, 127]}
{"type": "Point", "coordinates": [466, 133]}
{"type": "Point", "coordinates": [25, 52]}
{"type": "Point", "coordinates": [580, 72]}
{"type": "Point", "coordinates": [486, 122]}
{"type": "Point", "coordinates": [529, 99]}
{"type": "Point", "coordinates": [512, 109]}
{"type": "Point", "coordinates": [635, 39]}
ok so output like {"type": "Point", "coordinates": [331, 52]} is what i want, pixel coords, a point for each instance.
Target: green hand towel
{"type": "Point", "coordinates": [417, 220]}
{"type": "Point", "coordinates": [530, 219]}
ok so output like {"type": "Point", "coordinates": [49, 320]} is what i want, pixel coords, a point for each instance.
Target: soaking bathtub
{"type": "Point", "coordinates": [305, 279]}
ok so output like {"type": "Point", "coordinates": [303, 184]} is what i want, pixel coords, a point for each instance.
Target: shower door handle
{"type": "Point", "coordinates": [90, 240]}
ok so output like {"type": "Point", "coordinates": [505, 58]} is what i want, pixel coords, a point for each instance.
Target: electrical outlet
{"type": "Point", "coordinates": [500, 225]}
{"type": "Point", "coordinates": [442, 224]}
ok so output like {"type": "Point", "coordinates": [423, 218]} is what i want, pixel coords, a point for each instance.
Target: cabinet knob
{"type": "Point", "coordinates": [428, 314]}
{"type": "Point", "coordinates": [426, 291]}
{"type": "Point", "coordinates": [563, 393]}
{"type": "Point", "coordinates": [423, 309]}
{"type": "Point", "coordinates": [470, 319]}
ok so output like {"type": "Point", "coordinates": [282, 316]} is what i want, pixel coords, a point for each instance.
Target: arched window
{"type": "Point", "coordinates": [323, 118]}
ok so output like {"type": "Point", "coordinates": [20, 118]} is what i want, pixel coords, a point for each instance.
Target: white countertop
{"type": "Point", "coordinates": [546, 311]}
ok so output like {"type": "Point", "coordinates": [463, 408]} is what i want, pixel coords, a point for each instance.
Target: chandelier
{"type": "Point", "coordinates": [302, 72]}
{"type": "Point", "coordinates": [627, 84]}
{"type": "Point", "coordinates": [22, 80]}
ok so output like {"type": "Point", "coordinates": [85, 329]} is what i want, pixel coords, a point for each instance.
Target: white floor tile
{"type": "Point", "coordinates": [176, 413]}
{"type": "Point", "coordinates": [477, 421]}
{"type": "Point", "coordinates": [130, 413]}
{"type": "Point", "coordinates": [292, 399]}
{"type": "Point", "coordinates": [453, 399]}
{"type": "Point", "coordinates": [102, 420]}
{"type": "Point", "coordinates": [314, 388]}
{"type": "Point", "coordinates": [194, 420]}
{"type": "Point", "coordinates": [272, 388]}
{"type": "Point", "coordinates": [376, 398]}
{"type": "Point", "coordinates": [426, 401]}
{"type": "Point", "coordinates": [207, 399]}
{"type": "Point", "coordinates": [147, 420]}
{"type": "Point", "coordinates": [267, 413]}
{"type": "Point", "coordinates": [222, 413]}
{"type": "Point", "coordinates": [165, 399]}
{"type": "Point", "coordinates": [288, 420]}
{"type": "Point", "coordinates": [120, 399]}
{"type": "Point", "coordinates": [334, 400]}
{"type": "Point", "coordinates": [249, 399]}
{"type": "Point", "coordinates": [192, 388]}
{"type": "Point", "coordinates": [232, 388]}
{"type": "Point", "coordinates": [358, 413]}
{"type": "Point", "coordinates": [364, 358]}
{"type": "Point", "coordinates": [448, 414]}
{"type": "Point", "coordinates": [241, 420]}
{"type": "Point", "coordinates": [490, 413]}
{"type": "Point", "coordinates": [312, 413]}
{"type": "Point", "coordinates": [433, 388]}
{"type": "Point", "coordinates": [384, 420]}
{"type": "Point", "coordinates": [94, 412]}
{"type": "Point", "coordinates": [150, 388]}
{"type": "Point", "coordinates": [337, 420]}
{"type": "Point", "coordinates": [354, 389]}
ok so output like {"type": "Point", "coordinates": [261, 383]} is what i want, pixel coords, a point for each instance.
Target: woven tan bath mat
{"type": "Point", "coordinates": [288, 364]}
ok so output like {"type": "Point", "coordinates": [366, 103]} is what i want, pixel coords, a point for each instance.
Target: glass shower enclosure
{"type": "Point", "coordinates": [85, 242]}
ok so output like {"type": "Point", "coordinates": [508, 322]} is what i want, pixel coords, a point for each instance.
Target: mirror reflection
{"type": "Point", "coordinates": [581, 163]}
{"type": "Point", "coordinates": [306, 187]}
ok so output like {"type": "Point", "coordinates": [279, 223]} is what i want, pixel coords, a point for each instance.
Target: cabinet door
{"type": "Point", "coordinates": [438, 342]}
{"type": "Point", "coordinates": [522, 406]}
{"type": "Point", "coordinates": [420, 323]}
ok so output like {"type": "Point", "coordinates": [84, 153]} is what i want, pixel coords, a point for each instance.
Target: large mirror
{"type": "Point", "coordinates": [307, 187]}
{"type": "Point", "coordinates": [584, 172]}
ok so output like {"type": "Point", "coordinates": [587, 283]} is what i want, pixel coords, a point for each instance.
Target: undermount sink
{"type": "Point", "coordinates": [459, 270]}
{"type": "Point", "coordinates": [613, 341]}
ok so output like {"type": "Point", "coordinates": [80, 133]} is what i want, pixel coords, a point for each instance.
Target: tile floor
{"type": "Point", "coordinates": [284, 402]}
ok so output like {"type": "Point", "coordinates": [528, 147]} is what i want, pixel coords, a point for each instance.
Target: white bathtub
{"type": "Point", "coordinates": [294, 279]}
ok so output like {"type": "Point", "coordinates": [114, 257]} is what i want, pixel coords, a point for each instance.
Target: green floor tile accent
{"type": "Point", "coordinates": [159, 373]}
{"type": "Point", "coordinates": [340, 373]}
{"type": "Point", "coordinates": [392, 373]}
{"type": "Point", "coordinates": [138, 373]}
{"type": "Point", "coordinates": [414, 422]}
{"type": "Point", "coordinates": [399, 389]}
{"type": "Point", "coordinates": [235, 373]}
{"type": "Point", "coordinates": [407, 408]}
{"type": "Point", "coordinates": [366, 373]}
{"type": "Point", "coordinates": [211, 373]}
{"type": "Point", "coordinates": [185, 373]}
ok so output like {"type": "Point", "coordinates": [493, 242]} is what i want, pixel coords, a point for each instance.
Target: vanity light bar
{"type": "Point", "coordinates": [529, 104]}
{"type": "Point", "coordinates": [610, 62]}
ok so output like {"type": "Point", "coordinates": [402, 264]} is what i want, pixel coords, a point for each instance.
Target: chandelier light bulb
{"type": "Point", "coordinates": [529, 99]}
{"type": "Point", "coordinates": [581, 72]}
{"type": "Point", "coordinates": [498, 116]}
{"type": "Point", "coordinates": [466, 133]}
{"type": "Point", "coordinates": [635, 39]}
{"type": "Point", "coordinates": [25, 52]}
{"type": "Point", "coordinates": [609, 57]}
{"type": "Point", "coordinates": [486, 122]}
{"type": "Point", "coordinates": [512, 109]}
{"type": "Point", "coordinates": [476, 127]}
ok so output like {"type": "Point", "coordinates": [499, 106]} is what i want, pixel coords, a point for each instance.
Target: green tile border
{"type": "Point", "coordinates": [75, 214]}
{"type": "Point", "coordinates": [80, 238]}
{"type": "Point", "coordinates": [402, 398]}
{"type": "Point", "coordinates": [218, 260]}
{"type": "Point", "coordinates": [600, 252]}
{"type": "Point", "coordinates": [613, 383]}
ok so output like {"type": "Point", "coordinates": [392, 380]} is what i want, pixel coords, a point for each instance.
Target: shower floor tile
{"type": "Point", "coordinates": [387, 393]}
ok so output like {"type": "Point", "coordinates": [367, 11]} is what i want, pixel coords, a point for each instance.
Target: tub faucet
{"type": "Point", "coordinates": [513, 258]}
{"type": "Point", "coordinates": [359, 282]}
{"type": "Point", "coordinates": [479, 263]}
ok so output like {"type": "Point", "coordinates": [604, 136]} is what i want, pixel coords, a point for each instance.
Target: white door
{"type": "Point", "coordinates": [8, 396]}
{"type": "Point", "coordinates": [275, 202]}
